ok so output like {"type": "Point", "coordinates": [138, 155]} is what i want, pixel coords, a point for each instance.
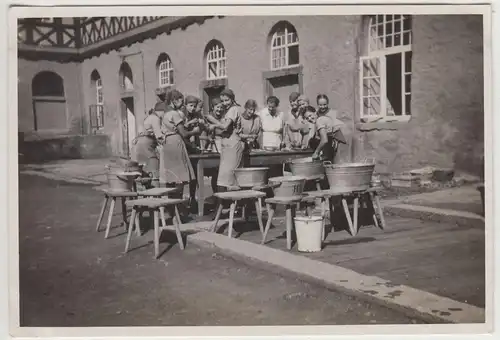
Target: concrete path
{"type": "Point", "coordinates": [410, 301]}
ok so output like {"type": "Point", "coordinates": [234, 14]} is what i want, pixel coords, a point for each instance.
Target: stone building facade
{"type": "Point", "coordinates": [441, 124]}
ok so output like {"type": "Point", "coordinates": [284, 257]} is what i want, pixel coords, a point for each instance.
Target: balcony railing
{"type": "Point", "coordinates": [86, 36]}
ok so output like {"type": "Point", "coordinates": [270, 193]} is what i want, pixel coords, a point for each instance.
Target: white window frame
{"type": "Point", "coordinates": [380, 45]}
{"type": "Point", "coordinates": [217, 56]}
{"type": "Point", "coordinates": [164, 68]}
{"type": "Point", "coordinates": [100, 104]}
{"type": "Point", "coordinates": [283, 38]}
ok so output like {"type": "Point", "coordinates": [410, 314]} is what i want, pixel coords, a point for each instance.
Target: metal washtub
{"type": "Point", "coordinates": [306, 167]}
{"type": "Point", "coordinates": [349, 176]}
{"type": "Point", "coordinates": [251, 177]}
{"type": "Point", "coordinates": [287, 186]}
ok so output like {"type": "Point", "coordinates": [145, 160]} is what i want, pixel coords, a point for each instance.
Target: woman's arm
{"type": "Point", "coordinates": [323, 141]}
{"type": "Point", "coordinates": [156, 125]}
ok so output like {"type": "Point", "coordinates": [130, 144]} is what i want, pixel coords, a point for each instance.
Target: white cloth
{"type": "Point", "coordinates": [272, 128]}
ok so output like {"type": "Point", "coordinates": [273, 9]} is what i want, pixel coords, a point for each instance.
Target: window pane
{"type": "Point", "coordinates": [408, 83]}
{"type": "Point", "coordinates": [408, 57]}
{"type": "Point", "coordinates": [380, 30]}
{"type": "Point", "coordinates": [388, 28]}
{"type": "Point", "coordinates": [397, 26]}
{"type": "Point", "coordinates": [408, 104]}
{"type": "Point", "coordinates": [293, 55]}
{"type": "Point", "coordinates": [388, 17]}
{"type": "Point", "coordinates": [397, 40]}
{"type": "Point", "coordinates": [388, 41]}
{"type": "Point", "coordinates": [407, 23]}
{"type": "Point", "coordinates": [171, 76]}
{"type": "Point", "coordinates": [406, 38]}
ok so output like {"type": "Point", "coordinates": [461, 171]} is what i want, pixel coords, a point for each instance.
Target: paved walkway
{"type": "Point", "coordinates": [440, 258]}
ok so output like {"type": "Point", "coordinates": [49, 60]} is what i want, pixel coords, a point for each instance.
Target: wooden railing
{"type": "Point", "coordinates": [96, 29]}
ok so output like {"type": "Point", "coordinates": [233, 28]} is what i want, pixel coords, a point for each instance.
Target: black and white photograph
{"type": "Point", "coordinates": [254, 166]}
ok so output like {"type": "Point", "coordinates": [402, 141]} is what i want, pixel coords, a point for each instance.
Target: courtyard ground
{"type": "Point", "coordinates": [71, 276]}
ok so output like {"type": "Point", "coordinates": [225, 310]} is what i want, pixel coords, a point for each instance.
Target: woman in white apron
{"type": "Point", "coordinates": [273, 124]}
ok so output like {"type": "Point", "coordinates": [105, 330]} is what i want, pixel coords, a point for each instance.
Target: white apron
{"type": "Point", "coordinates": [272, 129]}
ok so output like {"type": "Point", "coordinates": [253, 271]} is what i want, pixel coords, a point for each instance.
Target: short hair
{"type": "Point", "coordinates": [273, 99]}
{"type": "Point", "coordinates": [250, 104]}
{"type": "Point", "coordinates": [322, 96]}
{"type": "Point", "coordinates": [310, 108]}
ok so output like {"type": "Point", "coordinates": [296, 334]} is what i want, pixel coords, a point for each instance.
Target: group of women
{"type": "Point", "coordinates": [176, 125]}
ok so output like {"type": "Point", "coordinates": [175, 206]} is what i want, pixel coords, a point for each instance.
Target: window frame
{"type": "Point", "coordinates": [380, 52]}
{"type": "Point", "coordinates": [217, 54]}
{"type": "Point", "coordinates": [288, 29]}
{"type": "Point", "coordinates": [168, 71]}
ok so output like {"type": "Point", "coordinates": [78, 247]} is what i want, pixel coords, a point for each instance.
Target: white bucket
{"type": "Point", "coordinates": [309, 232]}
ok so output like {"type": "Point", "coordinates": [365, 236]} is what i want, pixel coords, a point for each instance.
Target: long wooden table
{"type": "Point", "coordinates": [257, 158]}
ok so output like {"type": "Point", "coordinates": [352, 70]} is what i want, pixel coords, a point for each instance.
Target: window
{"type": "Point", "coordinates": [96, 111]}
{"type": "Point", "coordinates": [126, 78]}
{"type": "Point", "coordinates": [216, 57]}
{"type": "Point", "coordinates": [284, 46]}
{"type": "Point", "coordinates": [165, 71]}
{"type": "Point", "coordinates": [385, 71]}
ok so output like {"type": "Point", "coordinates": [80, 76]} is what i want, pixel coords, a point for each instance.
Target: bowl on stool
{"type": "Point", "coordinates": [251, 177]}
{"type": "Point", "coordinates": [288, 186]}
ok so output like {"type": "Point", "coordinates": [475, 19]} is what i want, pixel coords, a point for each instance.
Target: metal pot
{"type": "Point", "coordinates": [251, 177]}
{"type": "Point", "coordinates": [288, 186]}
{"type": "Point", "coordinates": [349, 176]}
{"type": "Point", "coordinates": [307, 167]}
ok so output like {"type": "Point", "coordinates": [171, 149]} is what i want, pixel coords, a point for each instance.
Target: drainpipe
{"type": "Point", "coordinates": [356, 91]}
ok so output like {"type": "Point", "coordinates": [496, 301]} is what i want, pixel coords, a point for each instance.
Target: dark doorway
{"type": "Point", "coordinates": [281, 87]}
{"type": "Point", "coordinates": [210, 93]}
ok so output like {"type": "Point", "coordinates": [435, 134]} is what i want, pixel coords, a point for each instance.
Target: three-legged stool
{"type": "Point", "coordinates": [156, 208]}
{"type": "Point", "coordinates": [234, 197]}
{"type": "Point", "coordinates": [290, 206]}
{"type": "Point", "coordinates": [113, 195]}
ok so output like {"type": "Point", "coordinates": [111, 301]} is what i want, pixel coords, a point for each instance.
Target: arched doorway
{"type": "Point", "coordinates": [129, 129]}
{"type": "Point", "coordinates": [49, 102]}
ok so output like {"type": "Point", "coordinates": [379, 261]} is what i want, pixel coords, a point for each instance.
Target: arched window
{"type": "Point", "coordinates": [215, 56]}
{"type": "Point", "coordinates": [97, 110]}
{"type": "Point", "coordinates": [49, 103]}
{"type": "Point", "coordinates": [126, 79]}
{"type": "Point", "coordinates": [284, 46]}
{"type": "Point", "coordinates": [165, 70]}
{"type": "Point", "coordinates": [47, 83]}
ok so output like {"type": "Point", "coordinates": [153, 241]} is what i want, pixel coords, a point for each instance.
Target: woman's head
{"type": "Point", "coordinates": [322, 101]}
{"type": "Point", "coordinates": [217, 107]}
{"type": "Point", "coordinates": [272, 104]}
{"type": "Point", "coordinates": [303, 101]}
{"type": "Point", "coordinates": [191, 102]}
{"type": "Point", "coordinates": [227, 98]}
{"type": "Point", "coordinates": [176, 99]}
{"type": "Point", "coordinates": [250, 108]}
{"type": "Point", "coordinates": [310, 114]}
{"type": "Point", "coordinates": [199, 105]}
{"type": "Point", "coordinates": [293, 98]}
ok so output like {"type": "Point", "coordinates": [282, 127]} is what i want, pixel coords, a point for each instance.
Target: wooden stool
{"type": "Point", "coordinates": [156, 192]}
{"type": "Point", "coordinates": [317, 181]}
{"type": "Point", "coordinates": [255, 188]}
{"type": "Point", "coordinates": [113, 195]}
{"type": "Point", "coordinates": [234, 197]}
{"type": "Point", "coordinates": [290, 205]}
{"type": "Point", "coordinates": [156, 206]}
{"type": "Point", "coordinates": [331, 195]}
